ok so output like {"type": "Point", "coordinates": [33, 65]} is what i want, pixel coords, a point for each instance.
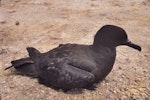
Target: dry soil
{"type": "Point", "coordinates": [44, 24]}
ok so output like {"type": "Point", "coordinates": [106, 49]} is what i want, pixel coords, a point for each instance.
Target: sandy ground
{"type": "Point", "coordinates": [44, 24]}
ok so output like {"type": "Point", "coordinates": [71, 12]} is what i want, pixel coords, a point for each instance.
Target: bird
{"type": "Point", "coordinates": [70, 66]}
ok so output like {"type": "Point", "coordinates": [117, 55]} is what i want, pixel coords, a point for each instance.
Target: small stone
{"type": "Point", "coordinates": [3, 22]}
{"type": "Point", "coordinates": [134, 91]}
{"type": "Point", "coordinates": [16, 0]}
{"type": "Point", "coordinates": [122, 76]}
{"type": "Point", "coordinates": [107, 84]}
{"type": "Point", "coordinates": [17, 23]}
{"type": "Point", "coordinates": [114, 91]}
{"type": "Point", "coordinates": [12, 5]}
{"type": "Point", "coordinates": [134, 97]}
{"type": "Point", "coordinates": [146, 55]}
{"type": "Point", "coordinates": [3, 51]}
{"type": "Point", "coordinates": [128, 94]}
{"type": "Point", "coordinates": [11, 11]}
{"type": "Point", "coordinates": [136, 80]}
{"type": "Point", "coordinates": [123, 97]}
{"type": "Point", "coordinates": [143, 85]}
{"type": "Point", "coordinates": [141, 89]}
{"type": "Point", "coordinates": [118, 91]}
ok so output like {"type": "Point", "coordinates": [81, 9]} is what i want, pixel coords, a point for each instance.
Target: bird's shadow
{"type": "Point", "coordinates": [75, 91]}
{"type": "Point", "coordinates": [70, 91]}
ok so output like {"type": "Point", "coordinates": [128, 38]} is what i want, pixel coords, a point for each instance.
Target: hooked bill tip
{"type": "Point", "coordinates": [135, 46]}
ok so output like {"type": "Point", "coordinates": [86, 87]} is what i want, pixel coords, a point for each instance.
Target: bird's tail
{"type": "Point", "coordinates": [25, 66]}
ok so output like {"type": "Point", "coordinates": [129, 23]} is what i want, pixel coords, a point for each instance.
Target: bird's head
{"type": "Point", "coordinates": [111, 35]}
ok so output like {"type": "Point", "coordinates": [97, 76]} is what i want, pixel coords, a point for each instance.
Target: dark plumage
{"type": "Point", "coordinates": [73, 65]}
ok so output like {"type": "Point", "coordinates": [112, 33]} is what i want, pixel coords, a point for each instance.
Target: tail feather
{"type": "Point", "coordinates": [25, 66]}
{"type": "Point", "coordinates": [8, 67]}
{"type": "Point", "coordinates": [18, 63]}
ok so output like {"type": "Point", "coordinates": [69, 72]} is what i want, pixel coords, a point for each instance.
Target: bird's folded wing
{"type": "Point", "coordinates": [85, 65]}
{"type": "Point", "coordinates": [68, 76]}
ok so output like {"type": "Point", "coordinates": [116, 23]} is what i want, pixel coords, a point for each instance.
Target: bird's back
{"type": "Point", "coordinates": [84, 57]}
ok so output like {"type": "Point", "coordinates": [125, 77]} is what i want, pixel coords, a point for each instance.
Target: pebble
{"type": "Point", "coordinates": [11, 11]}
{"type": "Point", "coordinates": [123, 97]}
{"type": "Point", "coordinates": [16, 0]}
{"type": "Point", "coordinates": [128, 94]}
{"type": "Point", "coordinates": [17, 23]}
{"type": "Point", "coordinates": [12, 5]}
{"type": "Point", "coordinates": [135, 97]}
{"type": "Point", "coordinates": [3, 22]}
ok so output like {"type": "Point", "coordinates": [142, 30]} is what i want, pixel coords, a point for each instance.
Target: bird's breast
{"type": "Point", "coordinates": [104, 60]}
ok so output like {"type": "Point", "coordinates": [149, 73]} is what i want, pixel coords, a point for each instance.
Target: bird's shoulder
{"type": "Point", "coordinates": [74, 54]}
{"type": "Point", "coordinates": [66, 50]}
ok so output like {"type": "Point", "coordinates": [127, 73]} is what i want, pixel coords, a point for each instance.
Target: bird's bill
{"type": "Point", "coordinates": [132, 45]}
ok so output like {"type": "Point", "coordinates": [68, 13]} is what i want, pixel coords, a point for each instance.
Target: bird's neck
{"type": "Point", "coordinates": [101, 46]}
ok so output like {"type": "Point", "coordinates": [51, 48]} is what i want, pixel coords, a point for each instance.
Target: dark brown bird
{"type": "Point", "coordinates": [74, 65]}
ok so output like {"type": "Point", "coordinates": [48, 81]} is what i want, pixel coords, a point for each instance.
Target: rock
{"type": "Point", "coordinates": [123, 97]}
{"type": "Point", "coordinates": [17, 23]}
{"type": "Point", "coordinates": [3, 22]}
{"type": "Point", "coordinates": [11, 11]}
{"type": "Point", "coordinates": [128, 93]}
{"type": "Point", "coordinates": [16, 0]}
{"type": "Point", "coordinates": [134, 91]}
{"type": "Point", "coordinates": [12, 5]}
{"type": "Point", "coordinates": [119, 68]}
